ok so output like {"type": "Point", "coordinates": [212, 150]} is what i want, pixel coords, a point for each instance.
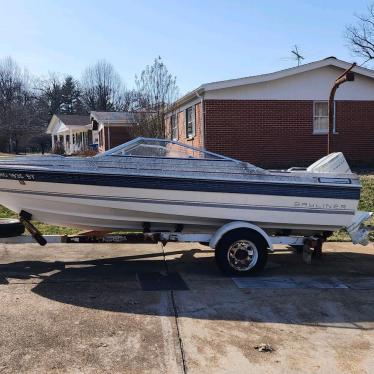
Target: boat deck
{"type": "Point", "coordinates": [164, 167]}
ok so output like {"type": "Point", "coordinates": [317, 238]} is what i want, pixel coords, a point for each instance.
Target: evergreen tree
{"type": "Point", "coordinates": [71, 97]}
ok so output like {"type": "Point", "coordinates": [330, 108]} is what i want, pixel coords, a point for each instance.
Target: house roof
{"type": "Point", "coordinates": [69, 120]}
{"type": "Point", "coordinates": [74, 119]}
{"type": "Point", "coordinates": [108, 118]}
{"type": "Point", "coordinates": [329, 61]}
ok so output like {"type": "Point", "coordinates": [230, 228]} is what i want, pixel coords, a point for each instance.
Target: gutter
{"type": "Point", "coordinates": [186, 98]}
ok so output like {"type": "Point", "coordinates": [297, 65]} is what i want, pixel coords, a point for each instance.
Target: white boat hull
{"type": "Point", "coordinates": [119, 208]}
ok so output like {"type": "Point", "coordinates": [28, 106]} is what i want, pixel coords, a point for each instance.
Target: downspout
{"type": "Point", "coordinates": [347, 76]}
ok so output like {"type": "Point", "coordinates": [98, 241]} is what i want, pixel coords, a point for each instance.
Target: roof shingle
{"type": "Point", "coordinates": [74, 119]}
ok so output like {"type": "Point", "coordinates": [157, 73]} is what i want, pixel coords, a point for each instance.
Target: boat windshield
{"type": "Point", "coordinates": [149, 147]}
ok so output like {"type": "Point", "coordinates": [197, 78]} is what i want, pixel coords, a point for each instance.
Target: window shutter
{"type": "Point", "coordinates": [177, 125]}
{"type": "Point", "coordinates": [193, 121]}
{"type": "Point", "coordinates": [185, 122]}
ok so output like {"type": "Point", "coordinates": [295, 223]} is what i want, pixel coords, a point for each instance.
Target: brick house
{"type": "Point", "coordinates": [97, 130]}
{"type": "Point", "coordinates": [279, 119]}
{"type": "Point", "coordinates": [114, 128]}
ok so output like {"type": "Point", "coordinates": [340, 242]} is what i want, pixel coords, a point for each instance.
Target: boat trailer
{"type": "Point", "coordinates": [240, 247]}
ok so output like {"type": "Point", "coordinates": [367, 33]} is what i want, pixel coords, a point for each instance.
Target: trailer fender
{"type": "Point", "coordinates": [238, 225]}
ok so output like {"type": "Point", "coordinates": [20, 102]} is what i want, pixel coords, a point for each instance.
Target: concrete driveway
{"type": "Point", "coordinates": [143, 309]}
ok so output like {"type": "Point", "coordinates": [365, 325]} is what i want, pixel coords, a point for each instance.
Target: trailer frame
{"type": "Point", "coordinates": [241, 247]}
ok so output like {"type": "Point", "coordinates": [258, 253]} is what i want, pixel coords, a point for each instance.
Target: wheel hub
{"type": "Point", "coordinates": [242, 255]}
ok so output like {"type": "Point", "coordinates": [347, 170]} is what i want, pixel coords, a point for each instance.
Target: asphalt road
{"type": "Point", "coordinates": [143, 309]}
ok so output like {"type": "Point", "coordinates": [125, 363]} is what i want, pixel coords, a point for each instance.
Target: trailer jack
{"type": "Point", "coordinates": [25, 219]}
{"type": "Point", "coordinates": [312, 248]}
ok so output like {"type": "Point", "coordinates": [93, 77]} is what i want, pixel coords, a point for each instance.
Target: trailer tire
{"type": "Point", "coordinates": [241, 252]}
{"type": "Point", "coordinates": [10, 227]}
{"type": "Point", "coordinates": [298, 248]}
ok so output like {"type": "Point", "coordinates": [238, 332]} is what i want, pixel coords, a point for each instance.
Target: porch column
{"type": "Point", "coordinates": [53, 140]}
{"type": "Point", "coordinates": [71, 141]}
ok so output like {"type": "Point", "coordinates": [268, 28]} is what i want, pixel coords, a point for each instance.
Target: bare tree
{"type": "Point", "coordinates": [102, 88]}
{"type": "Point", "coordinates": [360, 36]}
{"type": "Point", "coordinates": [17, 114]}
{"type": "Point", "coordinates": [155, 90]}
{"type": "Point", "coordinates": [27, 104]}
{"type": "Point", "coordinates": [50, 93]}
{"type": "Point", "coordinates": [130, 101]}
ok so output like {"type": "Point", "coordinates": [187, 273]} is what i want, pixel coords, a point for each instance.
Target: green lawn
{"type": "Point", "coordinates": [44, 228]}
{"type": "Point", "coordinates": [366, 203]}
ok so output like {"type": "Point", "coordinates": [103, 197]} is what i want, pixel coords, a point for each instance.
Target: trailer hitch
{"type": "Point", "coordinates": [25, 218]}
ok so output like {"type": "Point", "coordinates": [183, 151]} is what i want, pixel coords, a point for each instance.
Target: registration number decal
{"type": "Point", "coordinates": [17, 176]}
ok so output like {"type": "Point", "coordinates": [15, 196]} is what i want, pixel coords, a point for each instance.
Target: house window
{"type": "Point", "coordinates": [174, 127]}
{"type": "Point", "coordinates": [190, 122]}
{"type": "Point", "coordinates": [320, 117]}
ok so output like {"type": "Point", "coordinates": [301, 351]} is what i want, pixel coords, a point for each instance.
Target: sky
{"type": "Point", "coordinates": [199, 41]}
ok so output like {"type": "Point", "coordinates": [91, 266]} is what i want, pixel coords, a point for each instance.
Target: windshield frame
{"type": "Point", "coordinates": [132, 143]}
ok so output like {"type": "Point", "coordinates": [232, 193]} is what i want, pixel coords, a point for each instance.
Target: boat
{"type": "Point", "coordinates": [164, 185]}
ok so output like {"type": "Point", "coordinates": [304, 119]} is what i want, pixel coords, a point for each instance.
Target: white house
{"type": "Point", "coordinates": [72, 131]}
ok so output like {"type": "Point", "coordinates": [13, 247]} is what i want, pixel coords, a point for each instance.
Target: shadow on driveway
{"type": "Point", "coordinates": [112, 284]}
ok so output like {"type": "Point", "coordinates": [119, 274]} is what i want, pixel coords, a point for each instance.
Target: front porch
{"type": "Point", "coordinates": [70, 133]}
{"type": "Point", "coordinates": [73, 141]}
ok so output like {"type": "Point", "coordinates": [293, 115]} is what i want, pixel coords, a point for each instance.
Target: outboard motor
{"type": "Point", "coordinates": [332, 163]}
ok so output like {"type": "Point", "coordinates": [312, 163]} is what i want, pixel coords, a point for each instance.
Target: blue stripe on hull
{"type": "Point", "coordinates": [169, 183]}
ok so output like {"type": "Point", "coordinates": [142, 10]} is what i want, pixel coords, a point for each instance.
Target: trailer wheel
{"type": "Point", "coordinates": [241, 252]}
{"type": "Point", "coordinates": [298, 248]}
{"type": "Point", "coordinates": [10, 227]}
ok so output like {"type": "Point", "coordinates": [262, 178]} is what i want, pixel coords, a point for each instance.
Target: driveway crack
{"type": "Point", "coordinates": [176, 316]}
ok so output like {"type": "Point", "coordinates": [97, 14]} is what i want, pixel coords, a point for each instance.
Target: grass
{"type": "Point", "coordinates": [366, 204]}
{"type": "Point", "coordinates": [43, 227]}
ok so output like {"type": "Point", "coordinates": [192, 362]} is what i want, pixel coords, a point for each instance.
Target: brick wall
{"type": "Point", "coordinates": [355, 128]}
{"type": "Point", "coordinates": [277, 134]}
{"type": "Point", "coordinates": [280, 133]}
{"type": "Point", "coordinates": [115, 136]}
